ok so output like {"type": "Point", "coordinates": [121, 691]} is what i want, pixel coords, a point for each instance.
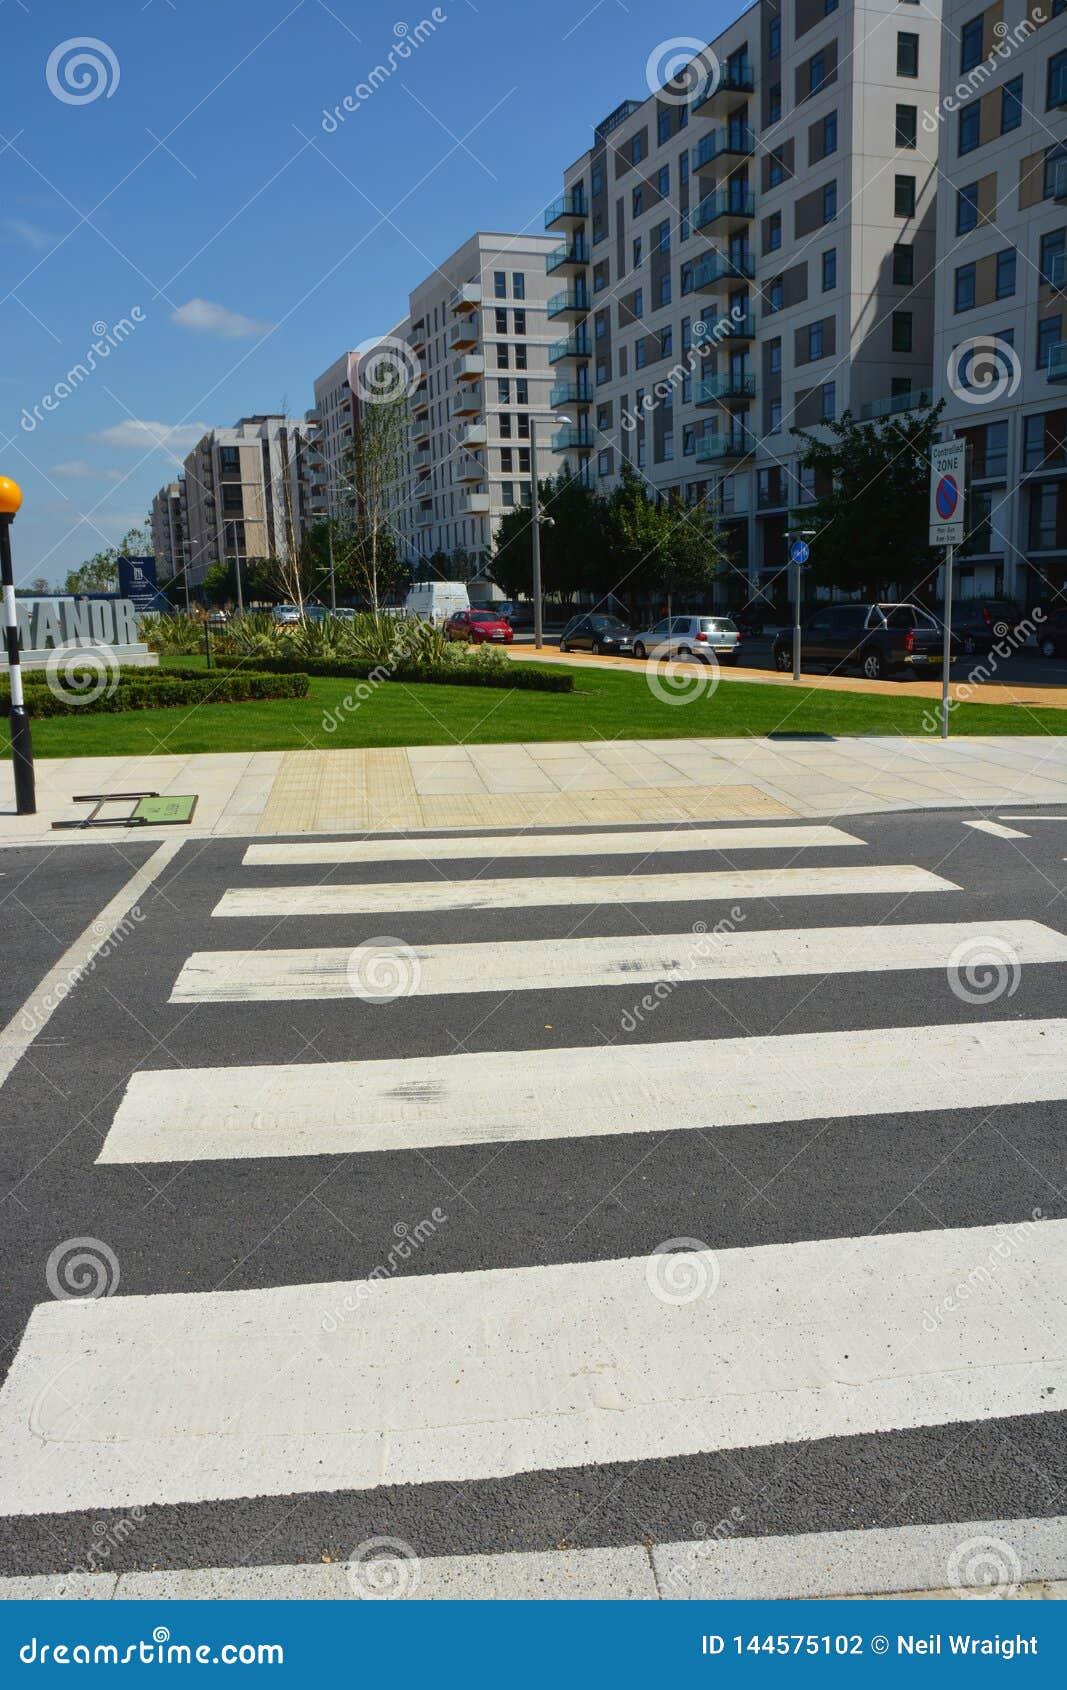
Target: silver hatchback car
{"type": "Point", "coordinates": [708, 638]}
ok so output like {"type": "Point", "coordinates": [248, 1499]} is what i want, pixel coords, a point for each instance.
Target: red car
{"type": "Point", "coordinates": [477, 626]}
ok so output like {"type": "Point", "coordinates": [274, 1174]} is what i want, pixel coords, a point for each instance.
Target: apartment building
{"type": "Point", "coordinates": [250, 491]}
{"type": "Point", "coordinates": [168, 531]}
{"type": "Point", "coordinates": [1000, 344]}
{"type": "Point", "coordinates": [748, 250]}
{"type": "Point", "coordinates": [336, 412]}
{"type": "Point", "coordinates": [478, 327]}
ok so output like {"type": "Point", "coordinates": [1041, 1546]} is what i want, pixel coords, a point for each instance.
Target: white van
{"type": "Point", "coordinates": [436, 601]}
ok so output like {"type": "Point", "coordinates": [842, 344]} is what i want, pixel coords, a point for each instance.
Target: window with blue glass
{"type": "Point", "coordinates": [1049, 334]}
{"type": "Point", "coordinates": [1011, 105]}
{"type": "Point", "coordinates": [971, 43]}
{"type": "Point", "coordinates": [637, 149]}
{"type": "Point", "coordinates": [1006, 266]}
{"type": "Point", "coordinates": [1057, 80]}
{"type": "Point", "coordinates": [663, 181]}
{"type": "Point", "coordinates": [965, 287]}
{"type": "Point", "coordinates": [970, 128]}
{"type": "Point", "coordinates": [640, 353]}
{"type": "Point", "coordinates": [829, 202]}
{"type": "Point", "coordinates": [829, 269]}
{"type": "Point", "coordinates": [829, 401]}
{"type": "Point", "coordinates": [829, 133]}
{"type": "Point", "coordinates": [817, 72]}
{"type": "Point", "coordinates": [665, 290]}
{"type": "Point", "coordinates": [666, 341]}
{"type": "Point", "coordinates": [774, 103]}
{"type": "Point", "coordinates": [774, 232]}
{"type": "Point", "coordinates": [663, 236]}
{"type": "Point", "coordinates": [683, 169]}
{"type": "Point", "coordinates": [907, 53]}
{"type": "Point", "coordinates": [967, 208]}
{"type": "Point", "coordinates": [1051, 248]}
{"type": "Point", "coordinates": [775, 169]}
{"type": "Point", "coordinates": [815, 341]}
{"type": "Point", "coordinates": [637, 201]}
{"type": "Point", "coordinates": [774, 357]}
{"type": "Point", "coordinates": [775, 296]}
{"type": "Point", "coordinates": [639, 302]}
{"type": "Point", "coordinates": [663, 126]}
{"type": "Point", "coordinates": [774, 38]}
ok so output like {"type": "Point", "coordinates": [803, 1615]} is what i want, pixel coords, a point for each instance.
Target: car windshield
{"type": "Point", "coordinates": [717, 625]}
{"type": "Point", "coordinates": [607, 622]}
{"type": "Point", "coordinates": [484, 616]}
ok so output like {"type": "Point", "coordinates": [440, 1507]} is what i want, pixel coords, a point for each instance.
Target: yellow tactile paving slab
{"type": "Point", "coordinates": [376, 791]}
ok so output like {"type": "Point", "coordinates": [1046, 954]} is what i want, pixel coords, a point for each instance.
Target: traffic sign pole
{"type": "Point", "coordinates": [799, 553]}
{"type": "Point", "coordinates": [946, 649]}
{"type": "Point", "coordinates": [948, 482]}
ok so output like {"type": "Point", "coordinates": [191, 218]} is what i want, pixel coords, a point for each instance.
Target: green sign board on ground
{"type": "Point", "coordinates": [156, 812]}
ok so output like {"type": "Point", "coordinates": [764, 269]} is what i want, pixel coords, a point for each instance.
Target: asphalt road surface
{"type": "Point", "coordinates": [432, 1191]}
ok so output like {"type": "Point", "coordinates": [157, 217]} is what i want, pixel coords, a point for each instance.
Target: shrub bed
{"type": "Point", "coordinates": [505, 674]}
{"type": "Point", "coordinates": [152, 690]}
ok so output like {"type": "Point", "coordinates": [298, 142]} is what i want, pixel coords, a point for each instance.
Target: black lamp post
{"type": "Point", "coordinates": [21, 744]}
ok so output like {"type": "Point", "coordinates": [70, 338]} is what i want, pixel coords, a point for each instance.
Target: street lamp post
{"type": "Point", "coordinates": [21, 743]}
{"type": "Point", "coordinates": [797, 535]}
{"type": "Point", "coordinates": [535, 519]}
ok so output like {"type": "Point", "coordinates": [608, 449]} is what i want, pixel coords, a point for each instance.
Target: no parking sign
{"type": "Point", "coordinates": [948, 470]}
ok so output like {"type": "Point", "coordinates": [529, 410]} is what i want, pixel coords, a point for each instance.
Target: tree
{"type": "Point", "coordinates": [574, 543]}
{"type": "Point", "coordinates": [871, 523]}
{"type": "Point", "coordinates": [661, 548]}
{"type": "Point", "coordinates": [99, 574]}
{"type": "Point", "coordinates": [378, 464]}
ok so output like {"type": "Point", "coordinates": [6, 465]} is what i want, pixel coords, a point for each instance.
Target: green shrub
{"type": "Point", "coordinates": [522, 677]}
{"type": "Point", "coordinates": [148, 689]}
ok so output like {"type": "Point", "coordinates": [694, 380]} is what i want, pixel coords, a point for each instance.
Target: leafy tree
{"type": "Point", "coordinates": [99, 573]}
{"type": "Point", "coordinates": [574, 543]}
{"type": "Point", "coordinates": [871, 524]}
{"type": "Point", "coordinates": [662, 549]}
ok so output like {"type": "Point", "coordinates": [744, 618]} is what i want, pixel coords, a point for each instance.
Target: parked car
{"type": "Point", "coordinates": [980, 623]}
{"type": "Point", "coordinates": [216, 619]}
{"type": "Point", "coordinates": [477, 627]}
{"type": "Point", "coordinates": [1052, 636]}
{"type": "Point", "coordinates": [691, 636]}
{"type": "Point", "coordinates": [286, 615]}
{"type": "Point", "coordinates": [515, 612]}
{"type": "Point", "coordinates": [595, 632]}
{"type": "Point", "coordinates": [877, 639]}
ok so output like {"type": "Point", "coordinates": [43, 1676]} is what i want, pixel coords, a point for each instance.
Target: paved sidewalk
{"type": "Point", "coordinates": [553, 784]}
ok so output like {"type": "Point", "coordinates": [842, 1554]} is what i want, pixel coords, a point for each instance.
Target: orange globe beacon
{"type": "Point", "coordinates": [10, 496]}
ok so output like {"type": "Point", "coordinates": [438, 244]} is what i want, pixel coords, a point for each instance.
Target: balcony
{"type": "Point", "coordinates": [420, 431]}
{"type": "Point", "coordinates": [570, 439]}
{"type": "Point", "coordinates": [471, 368]}
{"type": "Point", "coordinates": [570, 393]}
{"type": "Point", "coordinates": [467, 298]}
{"type": "Point", "coordinates": [420, 462]}
{"type": "Point", "coordinates": [464, 334]}
{"type": "Point", "coordinates": [576, 345]}
{"type": "Point", "coordinates": [740, 328]}
{"type": "Point", "coordinates": [1057, 272]}
{"type": "Point", "coordinates": [473, 504]}
{"type": "Point", "coordinates": [719, 91]}
{"type": "Point", "coordinates": [735, 140]}
{"type": "Point", "coordinates": [728, 208]}
{"type": "Point", "coordinates": [424, 516]}
{"type": "Point", "coordinates": [468, 402]}
{"type": "Point", "coordinates": [716, 267]}
{"type": "Point", "coordinates": [729, 448]}
{"type": "Point", "coordinates": [1057, 362]}
{"type": "Point", "coordinates": [417, 335]}
{"type": "Point", "coordinates": [573, 255]}
{"type": "Point", "coordinates": [725, 389]}
{"type": "Point", "coordinates": [567, 211]}
{"type": "Point", "coordinates": [572, 302]}
{"type": "Point", "coordinates": [420, 401]}
{"type": "Point", "coordinates": [913, 400]}
{"type": "Point", "coordinates": [472, 435]}
{"type": "Point", "coordinates": [469, 469]}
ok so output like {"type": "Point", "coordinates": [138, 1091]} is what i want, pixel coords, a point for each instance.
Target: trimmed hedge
{"type": "Point", "coordinates": [520, 676]}
{"type": "Point", "coordinates": [152, 690]}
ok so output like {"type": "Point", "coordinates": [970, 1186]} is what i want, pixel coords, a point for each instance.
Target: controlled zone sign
{"type": "Point", "coordinates": [948, 474]}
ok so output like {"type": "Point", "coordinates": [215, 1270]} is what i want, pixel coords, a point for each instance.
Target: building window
{"type": "Point", "coordinates": [829, 133]}
{"type": "Point", "coordinates": [683, 169]}
{"type": "Point", "coordinates": [638, 251]}
{"type": "Point", "coordinates": [965, 293]}
{"type": "Point", "coordinates": [600, 278]}
{"type": "Point", "coordinates": [503, 393]}
{"type": "Point", "coordinates": [1052, 246]}
{"type": "Point", "coordinates": [970, 128]}
{"type": "Point", "coordinates": [829, 401]}
{"type": "Point", "coordinates": [774, 357]}
{"type": "Point", "coordinates": [774, 104]}
{"type": "Point", "coordinates": [689, 440]}
{"type": "Point", "coordinates": [668, 446]}
{"type": "Point", "coordinates": [597, 180]}
{"type": "Point", "coordinates": [967, 209]}
{"type": "Point", "coordinates": [637, 202]}
{"type": "Point", "coordinates": [663, 126]}
{"type": "Point", "coordinates": [500, 284]}
{"type": "Point", "coordinates": [774, 38]}
{"type": "Point", "coordinates": [1057, 80]}
{"type": "Point", "coordinates": [663, 235]}
{"type": "Point", "coordinates": [817, 77]}
{"type": "Point", "coordinates": [829, 269]}
{"type": "Point", "coordinates": [686, 278]}
{"type": "Point", "coordinates": [639, 302]}
{"type": "Point", "coordinates": [522, 392]}
{"type": "Point", "coordinates": [907, 54]}
{"type": "Point", "coordinates": [971, 43]}
{"type": "Point", "coordinates": [600, 325]}
{"type": "Point", "coordinates": [1049, 334]}
{"type": "Point", "coordinates": [774, 417]}
{"type": "Point", "coordinates": [903, 265]}
{"type": "Point", "coordinates": [520, 322]}
{"type": "Point", "coordinates": [665, 289]}
{"type": "Point", "coordinates": [637, 148]}
{"type": "Point", "coordinates": [902, 331]}
{"type": "Point", "coordinates": [502, 356]}
{"type": "Point", "coordinates": [815, 342]}
{"type": "Point", "coordinates": [501, 321]}
{"type": "Point", "coordinates": [904, 196]}
{"type": "Point", "coordinates": [906, 131]}
{"type": "Point", "coordinates": [1006, 265]}
{"type": "Point", "coordinates": [829, 202]}
{"type": "Point", "coordinates": [521, 362]}
{"type": "Point", "coordinates": [775, 296]}
{"type": "Point", "coordinates": [663, 181]}
{"type": "Point", "coordinates": [507, 492]}
{"type": "Point", "coordinates": [1011, 105]}
{"type": "Point", "coordinates": [774, 232]}
{"type": "Point", "coordinates": [506, 463]}
{"type": "Point", "coordinates": [518, 284]}
{"type": "Point", "coordinates": [666, 341]}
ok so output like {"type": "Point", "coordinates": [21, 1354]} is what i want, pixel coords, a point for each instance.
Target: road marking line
{"type": "Point", "coordinates": [468, 1376]}
{"type": "Point", "coordinates": [997, 830]}
{"type": "Point", "coordinates": [42, 1003]}
{"type": "Point", "coordinates": [413, 898]}
{"type": "Point", "coordinates": [503, 1097]}
{"type": "Point", "coordinates": [283, 976]}
{"type": "Point", "coordinates": [624, 842]}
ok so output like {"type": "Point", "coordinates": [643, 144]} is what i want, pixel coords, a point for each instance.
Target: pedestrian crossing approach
{"type": "Point", "coordinates": [616, 1184]}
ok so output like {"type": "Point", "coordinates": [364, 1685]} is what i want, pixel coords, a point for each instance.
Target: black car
{"type": "Point", "coordinates": [979, 624]}
{"type": "Point", "coordinates": [606, 635]}
{"type": "Point", "coordinates": [877, 639]}
{"type": "Point", "coordinates": [1052, 634]}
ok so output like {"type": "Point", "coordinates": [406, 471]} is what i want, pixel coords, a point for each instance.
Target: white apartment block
{"type": "Point", "coordinates": [1000, 342]}
{"type": "Point", "coordinates": [251, 491]}
{"type": "Point", "coordinates": [336, 413]}
{"type": "Point", "coordinates": [478, 327]}
{"type": "Point", "coordinates": [748, 250]}
{"type": "Point", "coordinates": [168, 531]}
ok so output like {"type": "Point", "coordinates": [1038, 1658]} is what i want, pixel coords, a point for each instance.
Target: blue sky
{"type": "Point", "coordinates": [201, 200]}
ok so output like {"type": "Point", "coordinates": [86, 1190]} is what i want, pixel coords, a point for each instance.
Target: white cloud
{"type": "Point", "coordinates": [139, 436]}
{"type": "Point", "coordinates": [203, 316]}
{"type": "Point", "coordinates": [28, 233]}
{"type": "Point", "coordinates": [77, 469]}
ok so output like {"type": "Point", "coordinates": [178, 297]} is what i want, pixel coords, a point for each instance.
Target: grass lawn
{"type": "Point", "coordinates": [605, 704]}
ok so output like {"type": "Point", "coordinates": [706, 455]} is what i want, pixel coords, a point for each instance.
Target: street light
{"type": "Point", "coordinates": [21, 744]}
{"type": "Point", "coordinates": [535, 518]}
{"type": "Point", "coordinates": [795, 534]}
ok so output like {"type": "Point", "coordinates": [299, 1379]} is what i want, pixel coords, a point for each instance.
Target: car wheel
{"type": "Point", "coordinates": [684, 651]}
{"type": "Point", "coordinates": [639, 650]}
{"type": "Point", "coordinates": [1048, 647]}
{"type": "Point", "coordinates": [872, 665]}
{"type": "Point", "coordinates": [596, 648]}
{"type": "Point", "coordinates": [782, 659]}
{"type": "Point", "coordinates": [564, 648]}
{"type": "Point", "coordinates": [969, 645]}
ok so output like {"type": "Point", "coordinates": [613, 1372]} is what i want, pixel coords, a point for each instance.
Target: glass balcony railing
{"type": "Point", "coordinates": [892, 406]}
{"type": "Point", "coordinates": [1057, 272]}
{"type": "Point", "coordinates": [727, 205]}
{"type": "Point", "coordinates": [569, 439]}
{"type": "Point", "coordinates": [576, 345]}
{"type": "Point", "coordinates": [571, 253]}
{"type": "Point", "coordinates": [570, 393]}
{"type": "Point", "coordinates": [569, 207]}
{"type": "Point", "coordinates": [738, 76]}
{"type": "Point", "coordinates": [720, 448]}
{"type": "Point", "coordinates": [1057, 362]}
{"type": "Point", "coordinates": [713, 389]}
{"type": "Point", "coordinates": [718, 267]}
{"type": "Point", "coordinates": [734, 140]}
{"type": "Point", "coordinates": [569, 301]}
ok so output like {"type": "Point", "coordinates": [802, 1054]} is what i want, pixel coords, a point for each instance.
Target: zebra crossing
{"type": "Point", "coordinates": [864, 1018]}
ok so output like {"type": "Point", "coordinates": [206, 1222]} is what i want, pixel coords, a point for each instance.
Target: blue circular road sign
{"type": "Point", "coordinates": [799, 551]}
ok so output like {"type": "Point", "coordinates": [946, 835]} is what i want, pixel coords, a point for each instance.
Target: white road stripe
{"type": "Point", "coordinates": [417, 897]}
{"type": "Point", "coordinates": [621, 841]}
{"type": "Point", "coordinates": [467, 1376]}
{"type": "Point", "coordinates": [282, 976]}
{"type": "Point", "coordinates": [997, 830]}
{"type": "Point", "coordinates": [336, 1108]}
